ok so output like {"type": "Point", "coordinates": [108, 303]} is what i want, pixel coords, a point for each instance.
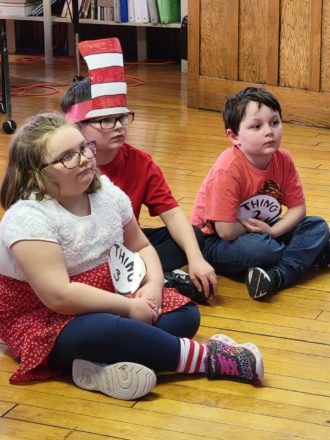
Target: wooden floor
{"type": "Point", "coordinates": [292, 329]}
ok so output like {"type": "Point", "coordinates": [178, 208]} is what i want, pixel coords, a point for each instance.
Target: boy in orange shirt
{"type": "Point", "coordinates": [239, 204]}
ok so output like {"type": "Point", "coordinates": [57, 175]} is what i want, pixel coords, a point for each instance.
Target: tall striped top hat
{"type": "Point", "coordinates": [105, 63]}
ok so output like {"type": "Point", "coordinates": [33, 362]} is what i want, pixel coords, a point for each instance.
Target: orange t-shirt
{"type": "Point", "coordinates": [234, 189]}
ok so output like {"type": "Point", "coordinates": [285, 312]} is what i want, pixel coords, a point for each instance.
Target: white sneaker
{"type": "Point", "coordinates": [124, 380]}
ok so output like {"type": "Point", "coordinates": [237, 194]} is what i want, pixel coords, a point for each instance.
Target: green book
{"type": "Point", "coordinates": [169, 11]}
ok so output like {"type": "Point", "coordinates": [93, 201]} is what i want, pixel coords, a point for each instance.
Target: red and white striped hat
{"type": "Point", "coordinates": [105, 63]}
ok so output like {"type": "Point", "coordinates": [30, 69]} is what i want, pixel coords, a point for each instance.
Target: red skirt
{"type": "Point", "coordinates": [30, 329]}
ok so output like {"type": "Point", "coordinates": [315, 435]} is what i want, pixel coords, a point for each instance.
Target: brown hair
{"type": "Point", "coordinates": [79, 91]}
{"type": "Point", "coordinates": [235, 106]}
{"type": "Point", "coordinates": [27, 153]}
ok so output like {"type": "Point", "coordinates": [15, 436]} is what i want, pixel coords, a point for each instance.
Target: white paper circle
{"type": "Point", "coordinates": [127, 269]}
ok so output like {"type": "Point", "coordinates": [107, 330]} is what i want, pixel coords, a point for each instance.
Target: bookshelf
{"type": "Point", "coordinates": [47, 19]}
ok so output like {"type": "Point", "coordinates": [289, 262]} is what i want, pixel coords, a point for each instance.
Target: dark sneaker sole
{"type": "Point", "coordinates": [258, 283]}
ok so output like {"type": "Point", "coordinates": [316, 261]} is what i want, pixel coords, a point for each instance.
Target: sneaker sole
{"type": "Point", "coordinates": [248, 345]}
{"type": "Point", "coordinates": [253, 282]}
{"type": "Point", "coordinates": [124, 380]}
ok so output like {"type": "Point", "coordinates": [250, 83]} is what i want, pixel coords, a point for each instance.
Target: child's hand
{"type": "Point", "coordinates": [153, 293]}
{"type": "Point", "coordinates": [142, 309]}
{"type": "Point", "coordinates": [203, 276]}
{"type": "Point", "coordinates": [257, 226]}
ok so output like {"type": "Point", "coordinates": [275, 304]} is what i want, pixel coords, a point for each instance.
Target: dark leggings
{"type": "Point", "coordinates": [170, 254]}
{"type": "Point", "coordinates": [107, 338]}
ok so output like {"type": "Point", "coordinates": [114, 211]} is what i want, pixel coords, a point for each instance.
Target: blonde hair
{"type": "Point", "coordinates": [27, 153]}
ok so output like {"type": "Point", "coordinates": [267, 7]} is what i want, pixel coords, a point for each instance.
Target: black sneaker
{"type": "Point", "coordinates": [323, 259]}
{"type": "Point", "coordinates": [182, 282]}
{"type": "Point", "coordinates": [260, 282]}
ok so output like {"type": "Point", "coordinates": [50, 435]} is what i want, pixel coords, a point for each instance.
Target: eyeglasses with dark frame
{"type": "Point", "coordinates": [110, 122]}
{"type": "Point", "coordinates": [72, 160]}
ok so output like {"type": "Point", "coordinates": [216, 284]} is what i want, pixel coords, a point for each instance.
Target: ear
{"type": "Point", "coordinates": [232, 136]}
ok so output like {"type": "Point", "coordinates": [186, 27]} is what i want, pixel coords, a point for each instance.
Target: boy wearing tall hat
{"type": "Point", "coordinates": [98, 105]}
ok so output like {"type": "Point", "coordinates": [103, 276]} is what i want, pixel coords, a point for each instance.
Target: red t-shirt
{"type": "Point", "coordinates": [135, 172]}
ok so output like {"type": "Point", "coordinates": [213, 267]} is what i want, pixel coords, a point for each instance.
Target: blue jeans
{"type": "Point", "coordinates": [291, 253]}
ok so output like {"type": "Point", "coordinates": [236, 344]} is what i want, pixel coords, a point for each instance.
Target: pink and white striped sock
{"type": "Point", "coordinates": [192, 356]}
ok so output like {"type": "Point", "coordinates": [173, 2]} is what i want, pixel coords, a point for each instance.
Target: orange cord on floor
{"type": "Point", "coordinates": [18, 90]}
{"type": "Point", "coordinates": [22, 89]}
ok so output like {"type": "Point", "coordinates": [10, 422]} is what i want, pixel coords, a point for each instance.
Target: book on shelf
{"type": "Point", "coordinates": [94, 9]}
{"type": "Point", "coordinates": [153, 11]}
{"type": "Point", "coordinates": [116, 11]}
{"type": "Point", "coordinates": [123, 11]}
{"type": "Point", "coordinates": [18, 2]}
{"type": "Point", "coordinates": [67, 9]}
{"type": "Point", "coordinates": [105, 10]}
{"type": "Point", "coordinates": [18, 8]}
{"type": "Point", "coordinates": [80, 6]}
{"type": "Point", "coordinates": [85, 8]}
{"type": "Point", "coordinates": [39, 10]}
{"type": "Point", "coordinates": [141, 11]}
{"type": "Point", "coordinates": [145, 11]}
{"type": "Point", "coordinates": [131, 12]}
{"type": "Point", "coordinates": [169, 11]}
{"type": "Point", "coordinates": [93, 14]}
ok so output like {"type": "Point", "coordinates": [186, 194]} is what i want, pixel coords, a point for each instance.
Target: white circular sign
{"type": "Point", "coordinates": [262, 207]}
{"type": "Point", "coordinates": [127, 269]}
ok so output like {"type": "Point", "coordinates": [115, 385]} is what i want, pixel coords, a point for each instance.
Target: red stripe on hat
{"type": "Point", "coordinates": [109, 101]}
{"type": "Point", "coordinates": [107, 74]}
{"type": "Point", "coordinates": [105, 45]}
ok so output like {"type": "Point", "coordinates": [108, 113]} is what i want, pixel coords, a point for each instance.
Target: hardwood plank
{"type": "Point", "coordinates": [4, 408]}
{"type": "Point", "coordinates": [221, 322]}
{"type": "Point", "coordinates": [269, 319]}
{"type": "Point", "coordinates": [241, 418]}
{"type": "Point", "coordinates": [324, 316]}
{"type": "Point", "coordinates": [18, 429]}
{"type": "Point", "coordinates": [151, 425]}
{"type": "Point", "coordinates": [61, 390]}
{"type": "Point", "coordinates": [280, 389]}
